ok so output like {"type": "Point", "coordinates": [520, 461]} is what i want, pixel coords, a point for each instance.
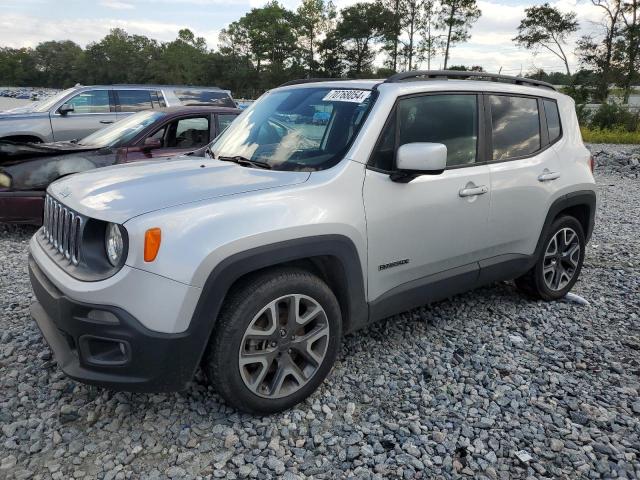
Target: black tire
{"type": "Point", "coordinates": [533, 282]}
{"type": "Point", "coordinates": [222, 360]}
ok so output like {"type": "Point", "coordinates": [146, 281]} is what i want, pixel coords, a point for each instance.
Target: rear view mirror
{"type": "Point", "coordinates": [66, 108]}
{"type": "Point", "coordinates": [420, 158]}
{"type": "Point", "coordinates": [152, 143]}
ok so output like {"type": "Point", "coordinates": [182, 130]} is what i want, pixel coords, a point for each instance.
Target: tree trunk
{"type": "Point", "coordinates": [311, 53]}
{"type": "Point", "coordinates": [411, 41]}
{"type": "Point", "coordinates": [396, 28]}
{"type": "Point", "coordinates": [632, 50]}
{"type": "Point", "coordinates": [446, 51]}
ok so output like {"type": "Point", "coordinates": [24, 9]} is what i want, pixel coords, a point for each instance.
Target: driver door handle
{"type": "Point", "coordinates": [106, 121]}
{"type": "Point", "coordinates": [546, 175]}
{"type": "Point", "coordinates": [471, 191]}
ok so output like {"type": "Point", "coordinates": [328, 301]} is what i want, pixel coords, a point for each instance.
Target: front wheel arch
{"type": "Point", "coordinates": [22, 139]}
{"type": "Point", "coordinates": [328, 256]}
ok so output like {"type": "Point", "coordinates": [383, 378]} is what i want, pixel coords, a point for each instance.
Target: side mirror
{"type": "Point", "coordinates": [152, 143]}
{"type": "Point", "coordinates": [66, 108]}
{"type": "Point", "coordinates": [420, 158]}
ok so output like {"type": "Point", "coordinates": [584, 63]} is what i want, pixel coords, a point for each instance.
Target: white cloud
{"type": "Point", "coordinates": [116, 5]}
{"type": "Point", "coordinates": [23, 31]}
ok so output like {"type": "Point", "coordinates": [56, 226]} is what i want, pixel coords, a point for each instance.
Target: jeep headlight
{"type": "Point", "coordinates": [114, 244]}
{"type": "Point", "coordinates": [5, 180]}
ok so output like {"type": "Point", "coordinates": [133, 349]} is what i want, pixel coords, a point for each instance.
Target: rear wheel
{"type": "Point", "coordinates": [276, 339]}
{"type": "Point", "coordinates": [558, 267]}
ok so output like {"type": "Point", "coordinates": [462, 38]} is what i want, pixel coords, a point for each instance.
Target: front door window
{"type": "Point", "coordinates": [92, 101]}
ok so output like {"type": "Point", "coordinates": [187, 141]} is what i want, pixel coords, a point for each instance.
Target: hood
{"type": "Point", "coordinates": [24, 109]}
{"type": "Point", "coordinates": [120, 192]}
{"type": "Point", "coordinates": [12, 152]}
{"type": "Point", "coordinates": [37, 172]}
{"type": "Point", "coordinates": [19, 114]}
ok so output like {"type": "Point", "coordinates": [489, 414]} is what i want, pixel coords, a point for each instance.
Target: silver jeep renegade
{"type": "Point", "coordinates": [323, 207]}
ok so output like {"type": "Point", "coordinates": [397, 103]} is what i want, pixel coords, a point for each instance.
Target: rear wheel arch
{"type": "Point", "coordinates": [580, 204]}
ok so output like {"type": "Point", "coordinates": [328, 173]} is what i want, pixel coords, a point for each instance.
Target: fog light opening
{"type": "Point", "coordinates": [104, 351]}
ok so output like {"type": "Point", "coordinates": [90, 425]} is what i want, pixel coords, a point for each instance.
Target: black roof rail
{"type": "Point", "coordinates": [309, 80]}
{"type": "Point", "coordinates": [465, 75]}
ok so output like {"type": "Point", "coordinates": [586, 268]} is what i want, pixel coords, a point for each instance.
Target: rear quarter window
{"type": "Point", "coordinates": [206, 97]}
{"type": "Point", "coordinates": [553, 119]}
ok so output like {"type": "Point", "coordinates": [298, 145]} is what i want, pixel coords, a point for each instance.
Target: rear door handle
{"type": "Point", "coordinates": [546, 175]}
{"type": "Point", "coordinates": [471, 191]}
{"type": "Point", "coordinates": [106, 121]}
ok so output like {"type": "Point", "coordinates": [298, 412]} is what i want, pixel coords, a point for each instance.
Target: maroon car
{"type": "Point", "coordinates": [27, 169]}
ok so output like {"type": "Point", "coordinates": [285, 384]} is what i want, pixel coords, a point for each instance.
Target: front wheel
{"type": "Point", "coordinates": [276, 340]}
{"type": "Point", "coordinates": [558, 267]}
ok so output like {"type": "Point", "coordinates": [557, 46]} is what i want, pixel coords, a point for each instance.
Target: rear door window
{"type": "Point", "coordinates": [516, 126]}
{"type": "Point", "coordinates": [553, 119]}
{"type": "Point", "coordinates": [134, 100]}
{"type": "Point", "coordinates": [205, 97]}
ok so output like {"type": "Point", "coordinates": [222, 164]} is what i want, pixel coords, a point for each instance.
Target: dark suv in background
{"type": "Point", "coordinates": [81, 110]}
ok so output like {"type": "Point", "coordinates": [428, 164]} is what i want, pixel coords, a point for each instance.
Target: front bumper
{"type": "Point", "coordinates": [21, 207]}
{"type": "Point", "coordinates": [106, 346]}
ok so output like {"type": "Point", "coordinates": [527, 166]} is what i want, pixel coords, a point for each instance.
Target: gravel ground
{"type": "Point", "coordinates": [486, 385]}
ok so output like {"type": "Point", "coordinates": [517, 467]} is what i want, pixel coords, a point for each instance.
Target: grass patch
{"type": "Point", "coordinates": [596, 135]}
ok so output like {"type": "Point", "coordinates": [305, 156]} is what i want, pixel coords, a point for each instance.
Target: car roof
{"type": "Point", "coordinates": [151, 86]}
{"type": "Point", "coordinates": [367, 84]}
{"type": "Point", "coordinates": [409, 87]}
{"type": "Point", "coordinates": [437, 80]}
{"type": "Point", "coordinates": [177, 110]}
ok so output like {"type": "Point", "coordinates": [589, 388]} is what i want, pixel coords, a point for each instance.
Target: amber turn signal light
{"type": "Point", "coordinates": [152, 238]}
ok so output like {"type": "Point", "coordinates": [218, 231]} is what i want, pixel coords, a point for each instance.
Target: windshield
{"type": "Point", "coordinates": [297, 129]}
{"type": "Point", "coordinates": [122, 131]}
{"type": "Point", "coordinates": [45, 105]}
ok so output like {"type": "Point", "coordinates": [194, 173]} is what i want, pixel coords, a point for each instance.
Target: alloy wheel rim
{"type": "Point", "coordinates": [561, 259]}
{"type": "Point", "coordinates": [284, 346]}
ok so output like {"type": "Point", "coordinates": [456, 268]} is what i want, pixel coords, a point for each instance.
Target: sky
{"type": "Point", "coordinates": [25, 23]}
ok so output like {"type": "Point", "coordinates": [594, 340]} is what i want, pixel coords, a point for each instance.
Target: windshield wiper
{"type": "Point", "coordinates": [245, 162]}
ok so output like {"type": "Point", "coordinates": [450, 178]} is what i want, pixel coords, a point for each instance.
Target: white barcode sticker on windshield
{"type": "Point", "coordinates": [356, 96]}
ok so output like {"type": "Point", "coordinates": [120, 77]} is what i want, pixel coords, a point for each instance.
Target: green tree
{"type": "Point", "coordinates": [234, 60]}
{"type": "Point", "coordinates": [455, 18]}
{"type": "Point", "coordinates": [631, 45]}
{"type": "Point", "coordinates": [331, 56]}
{"type": "Point", "coordinates": [431, 43]}
{"type": "Point", "coordinates": [360, 27]}
{"type": "Point", "coordinates": [18, 66]}
{"type": "Point", "coordinates": [598, 54]}
{"type": "Point", "coordinates": [184, 60]}
{"type": "Point", "coordinates": [270, 32]}
{"type": "Point", "coordinates": [121, 58]}
{"type": "Point", "coordinates": [547, 27]}
{"type": "Point", "coordinates": [60, 64]}
{"type": "Point", "coordinates": [412, 23]}
{"type": "Point", "coordinates": [314, 20]}
{"type": "Point", "coordinates": [392, 12]}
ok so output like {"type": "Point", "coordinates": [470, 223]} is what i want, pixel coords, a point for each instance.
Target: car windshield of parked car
{"type": "Point", "coordinates": [296, 129]}
{"type": "Point", "coordinates": [122, 132]}
{"type": "Point", "coordinates": [45, 105]}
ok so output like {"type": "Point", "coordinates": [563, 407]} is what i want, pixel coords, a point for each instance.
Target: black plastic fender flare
{"type": "Point", "coordinates": [232, 268]}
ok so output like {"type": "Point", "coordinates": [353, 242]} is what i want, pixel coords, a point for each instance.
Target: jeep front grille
{"type": "Point", "coordinates": [62, 229]}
